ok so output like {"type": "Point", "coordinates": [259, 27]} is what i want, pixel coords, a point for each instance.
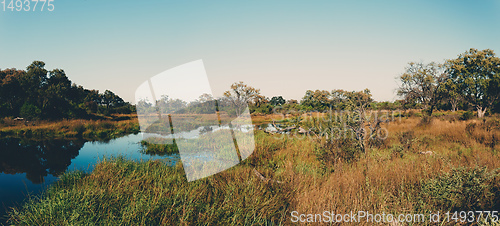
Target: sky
{"type": "Point", "coordinates": [281, 47]}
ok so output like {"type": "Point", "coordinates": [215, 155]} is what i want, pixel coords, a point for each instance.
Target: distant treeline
{"type": "Point", "coordinates": [36, 93]}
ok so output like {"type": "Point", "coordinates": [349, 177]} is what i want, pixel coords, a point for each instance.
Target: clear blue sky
{"type": "Point", "coordinates": [282, 47]}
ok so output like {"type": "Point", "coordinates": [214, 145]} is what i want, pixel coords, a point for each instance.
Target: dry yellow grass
{"type": "Point", "coordinates": [391, 184]}
{"type": "Point", "coordinates": [390, 178]}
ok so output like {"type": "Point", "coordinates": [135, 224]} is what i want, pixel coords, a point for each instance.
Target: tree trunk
{"type": "Point", "coordinates": [480, 111]}
{"type": "Point", "coordinates": [453, 106]}
{"type": "Point", "coordinates": [431, 109]}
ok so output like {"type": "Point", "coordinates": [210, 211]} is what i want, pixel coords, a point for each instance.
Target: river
{"type": "Point", "coordinates": [30, 166]}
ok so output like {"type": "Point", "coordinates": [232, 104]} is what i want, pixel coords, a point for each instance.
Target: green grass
{"type": "Point", "coordinates": [122, 192]}
{"type": "Point", "coordinates": [151, 148]}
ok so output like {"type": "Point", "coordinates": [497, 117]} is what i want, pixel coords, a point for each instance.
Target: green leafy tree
{"type": "Point", "coordinates": [359, 100]}
{"type": "Point", "coordinates": [422, 84]}
{"type": "Point", "coordinates": [451, 93]}
{"type": "Point", "coordinates": [55, 98]}
{"type": "Point", "coordinates": [316, 100]}
{"type": "Point", "coordinates": [110, 99]}
{"type": "Point", "coordinates": [240, 95]}
{"type": "Point", "coordinates": [476, 73]}
{"type": "Point", "coordinates": [29, 111]}
{"type": "Point", "coordinates": [277, 101]}
{"type": "Point", "coordinates": [51, 95]}
{"type": "Point", "coordinates": [11, 94]}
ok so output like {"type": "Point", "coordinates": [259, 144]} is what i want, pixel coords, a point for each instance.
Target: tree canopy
{"type": "Point", "coordinates": [423, 83]}
{"type": "Point", "coordinates": [476, 76]}
{"type": "Point", "coordinates": [36, 93]}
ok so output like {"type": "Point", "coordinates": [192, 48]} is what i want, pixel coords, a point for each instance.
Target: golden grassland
{"type": "Point", "coordinates": [441, 165]}
{"type": "Point", "coordinates": [107, 128]}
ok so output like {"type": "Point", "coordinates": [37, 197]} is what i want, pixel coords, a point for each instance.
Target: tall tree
{"type": "Point", "coordinates": [422, 83]}
{"type": "Point", "coordinates": [359, 100]}
{"type": "Point", "coordinates": [477, 76]}
{"type": "Point", "coordinates": [110, 99]}
{"type": "Point", "coordinates": [316, 100]}
{"type": "Point", "coordinates": [56, 98]}
{"type": "Point", "coordinates": [277, 101]}
{"type": "Point", "coordinates": [34, 81]}
{"type": "Point", "coordinates": [451, 93]}
{"type": "Point", "coordinates": [11, 93]}
{"type": "Point", "coordinates": [240, 95]}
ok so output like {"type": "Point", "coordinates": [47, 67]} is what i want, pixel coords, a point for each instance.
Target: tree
{"type": "Point", "coordinates": [240, 94]}
{"type": "Point", "coordinates": [34, 81]}
{"type": "Point", "coordinates": [51, 95]}
{"type": "Point", "coordinates": [451, 93]}
{"type": "Point", "coordinates": [29, 111]}
{"type": "Point", "coordinates": [110, 99]}
{"type": "Point", "coordinates": [477, 76]}
{"type": "Point", "coordinates": [338, 98]}
{"type": "Point", "coordinates": [422, 83]}
{"type": "Point", "coordinates": [316, 100]}
{"type": "Point", "coordinates": [11, 94]}
{"type": "Point", "coordinates": [358, 100]}
{"type": "Point", "coordinates": [259, 100]}
{"type": "Point", "coordinates": [55, 101]}
{"type": "Point", "coordinates": [277, 101]}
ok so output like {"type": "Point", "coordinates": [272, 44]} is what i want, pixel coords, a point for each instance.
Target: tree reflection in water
{"type": "Point", "coordinates": [37, 158]}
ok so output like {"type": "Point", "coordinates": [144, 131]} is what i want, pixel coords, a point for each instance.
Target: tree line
{"type": "Point", "coordinates": [36, 93]}
{"type": "Point", "coordinates": [470, 81]}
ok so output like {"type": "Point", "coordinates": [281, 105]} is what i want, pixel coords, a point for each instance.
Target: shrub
{"type": "Point", "coordinates": [470, 128]}
{"type": "Point", "coordinates": [467, 116]}
{"type": "Point", "coordinates": [425, 120]}
{"type": "Point", "coordinates": [397, 151]}
{"type": "Point", "coordinates": [407, 139]}
{"type": "Point", "coordinates": [464, 189]}
{"type": "Point", "coordinates": [345, 150]}
{"type": "Point", "coordinates": [29, 111]}
{"type": "Point", "coordinates": [79, 129]}
{"type": "Point", "coordinates": [492, 124]}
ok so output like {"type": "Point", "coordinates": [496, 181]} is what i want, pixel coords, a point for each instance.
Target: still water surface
{"type": "Point", "coordinates": [30, 166]}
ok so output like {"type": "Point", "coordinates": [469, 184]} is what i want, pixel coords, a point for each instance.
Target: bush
{"type": "Point", "coordinates": [425, 120]}
{"type": "Point", "coordinates": [29, 111]}
{"type": "Point", "coordinates": [470, 128]}
{"type": "Point", "coordinates": [397, 151]}
{"type": "Point", "coordinates": [463, 189]}
{"type": "Point", "coordinates": [344, 150]}
{"type": "Point", "coordinates": [79, 128]}
{"type": "Point", "coordinates": [407, 139]}
{"type": "Point", "coordinates": [467, 116]}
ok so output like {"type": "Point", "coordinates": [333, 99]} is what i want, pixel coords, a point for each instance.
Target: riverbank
{"type": "Point", "coordinates": [102, 129]}
{"type": "Point", "coordinates": [440, 165]}
{"type": "Point", "coordinates": [123, 192]}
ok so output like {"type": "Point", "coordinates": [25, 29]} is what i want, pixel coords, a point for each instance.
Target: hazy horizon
{"type": "Point", "coordinates": [281, 47]}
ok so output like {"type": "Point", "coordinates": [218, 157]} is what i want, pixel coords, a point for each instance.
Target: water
{"type": "Point", "coordinates": [30, 166]}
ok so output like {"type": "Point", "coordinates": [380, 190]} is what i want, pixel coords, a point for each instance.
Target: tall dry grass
{"type": "Point", "coordinates": [70, 128]}
{"type": "Point", "coordinates": [406, 174]}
